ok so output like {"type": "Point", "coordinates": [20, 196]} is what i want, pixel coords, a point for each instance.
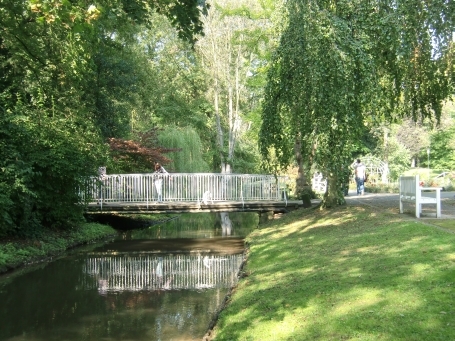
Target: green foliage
{"type": "Point", "coordinates": [442, 142]}
{"type": "Point", "coordinates": [381, 188]}
{"type": "Point", "coordinates": [171, 84]}
{"type": "Point", "coordinates": [247, 159]}
{"type": "Point", "coordinates": [48, 244]}
{"type": "Point", "coordinates": [442, 151]}
{"type": "Point", "coordinates": [42, 163]}
{"type": "Point", "coordinates": [72, 75]}
{"type": "Point", "coordinates": [399, 159]}
{"type": "Point", "coordinates": [317, 100]}
{"type": "Point", "coordinates": [344, 65]}
{"type": "Point", "coordinates": [117, 88]}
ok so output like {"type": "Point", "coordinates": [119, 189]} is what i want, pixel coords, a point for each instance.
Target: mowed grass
{"type": "Point", "coordinates": [448, 224]}
{"type": "Point", "coordinates": [354, 273]}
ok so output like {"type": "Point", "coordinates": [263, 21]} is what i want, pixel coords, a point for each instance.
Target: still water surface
{"type": "Point", "coordinates": [162, 283]}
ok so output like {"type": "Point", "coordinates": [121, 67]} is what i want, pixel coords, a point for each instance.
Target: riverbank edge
{"type": "Point", "coordinates": [16, 253]}
{"type": "Point", "coordinates": [240, 274]}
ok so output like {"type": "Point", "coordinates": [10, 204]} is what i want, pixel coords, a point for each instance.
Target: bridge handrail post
{"type": "Point", "coordinates": [101, 196]}
{"type": "Point", "coordinates": [241, 192]}
{"type": "Point", "coordinates": [282, 184]}
{"type": "Point", "coordinates": [147, 182]}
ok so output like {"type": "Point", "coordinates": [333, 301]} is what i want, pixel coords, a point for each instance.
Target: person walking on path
{"type": "Point", "coordinates": [159, 170]}
{"type": "Point", "coordinates": [360, 172]}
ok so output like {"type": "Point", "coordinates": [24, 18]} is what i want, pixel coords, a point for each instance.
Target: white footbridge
{"type": "Point", "coordinates": [187, 192]}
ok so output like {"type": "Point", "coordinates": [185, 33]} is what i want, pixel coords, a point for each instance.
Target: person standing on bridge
{"type": "Point", "coordinates": [159, 170]}
{"type": "Point", "coordinates": [101, 184]}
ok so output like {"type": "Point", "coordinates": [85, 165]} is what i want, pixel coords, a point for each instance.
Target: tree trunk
{"type": "Point", "coordinates": [225, 168]}
{"type": "Point", "coordinates": [302, 188]}
{"type": "Point", "coordinates": [385, 173]}
{"type": "Point", "coordinates": [226, 224]}
{"type": "Point", "coordinates": [334, 194]}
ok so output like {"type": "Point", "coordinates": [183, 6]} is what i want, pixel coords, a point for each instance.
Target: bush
{"type": "Point", "coordinates": [17, 252]}
{"type": "Point", "coordinates": [382, 188]}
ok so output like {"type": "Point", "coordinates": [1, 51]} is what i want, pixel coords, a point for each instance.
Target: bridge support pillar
{"type": "Point", "coordinates": [265, 217]}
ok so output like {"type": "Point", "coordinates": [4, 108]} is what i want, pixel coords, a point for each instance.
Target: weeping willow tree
{"type": "Point", "coordinates": [190, 157]}
{"type": "Point", "coordinates": [341, 65]}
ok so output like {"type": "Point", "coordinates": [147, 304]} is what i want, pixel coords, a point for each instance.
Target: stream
{"type": "Point", "coordinates": [165, 282]}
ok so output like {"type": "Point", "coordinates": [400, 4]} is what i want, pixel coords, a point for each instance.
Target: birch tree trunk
{"type": "Point", "coordinates": [223, 48]}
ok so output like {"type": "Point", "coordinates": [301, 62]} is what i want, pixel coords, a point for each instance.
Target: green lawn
{"type": "Point", "coordinates": [354, 273]}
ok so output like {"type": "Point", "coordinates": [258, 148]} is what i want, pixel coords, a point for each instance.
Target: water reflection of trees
{"type": "Point", "coordinates": [198, 225]}
{"type": "Point", "coordinates": [161, 272]}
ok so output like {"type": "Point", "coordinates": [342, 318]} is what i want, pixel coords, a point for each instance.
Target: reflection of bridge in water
{"type": "Point", "coordinates": [162, 272]}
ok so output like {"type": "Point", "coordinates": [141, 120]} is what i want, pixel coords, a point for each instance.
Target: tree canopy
{"type": "Point", "coordinates": [70, 78]}
{"type": "Point", "coordinates": [342, 66]}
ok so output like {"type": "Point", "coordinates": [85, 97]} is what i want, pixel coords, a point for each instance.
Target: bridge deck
{"type": "Point", "coordinates": [194, 207]}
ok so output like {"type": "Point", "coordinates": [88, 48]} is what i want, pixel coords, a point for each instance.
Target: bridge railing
{"type": "Point", "coordinates": [185, 187]}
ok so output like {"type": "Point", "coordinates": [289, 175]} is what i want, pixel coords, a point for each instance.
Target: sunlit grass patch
{"type": "Point", "coordinates": [347, 274]}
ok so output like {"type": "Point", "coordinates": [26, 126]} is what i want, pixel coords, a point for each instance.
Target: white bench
{"type": "Point", "coordinates": [411, 191]}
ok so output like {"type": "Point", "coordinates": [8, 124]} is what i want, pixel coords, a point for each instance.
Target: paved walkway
{"type": "Point", "coordinates": [391, 202]}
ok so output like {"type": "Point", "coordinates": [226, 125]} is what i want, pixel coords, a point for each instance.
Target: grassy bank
{"type": "Point", "coordinates": [354, 273]}
{"type": "Point", "coordinates": [17, 252]}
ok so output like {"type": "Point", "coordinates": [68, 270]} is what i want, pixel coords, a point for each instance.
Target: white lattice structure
{"type": "Point", "coordinates": [375, 166]}
{"type": "Point", "coordinates": [318, 183]}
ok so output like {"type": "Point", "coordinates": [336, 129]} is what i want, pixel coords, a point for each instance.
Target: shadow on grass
{"type": "Point", "coordinates": [347, 274]}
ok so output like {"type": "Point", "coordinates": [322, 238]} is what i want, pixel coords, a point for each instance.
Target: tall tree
{"type": "Point", "coordinates": [226, 52]}
{"type": "Point", "coordinates": [341, 65]}
{"type": "Point", "coordinates": [414, 136]}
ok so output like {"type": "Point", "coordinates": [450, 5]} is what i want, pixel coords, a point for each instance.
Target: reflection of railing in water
{"type": "Point", "coordinates": [165, 272]}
